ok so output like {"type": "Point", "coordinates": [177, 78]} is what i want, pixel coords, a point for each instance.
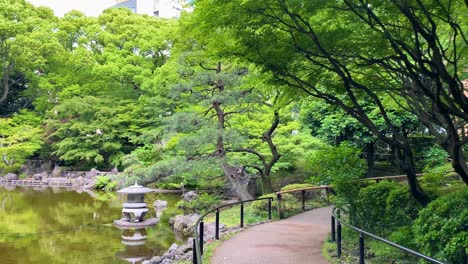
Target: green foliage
{"type": "Point", "coordinates": [104, 183]}
{"type": "Point", "coordinates": [230, 216]}
{"type": "Point", "coordinates": [441, 229]}
{"type": "Point", "coordinates": [401, 210]}
{"type": "Point", "coordinates": [336, 164]}
{"type": "Point", "coordinates": [440, 176]}
{"type": "Point", "coordinates": [20, 138]}
{"type": "Point", "coordinates": [433, 157]}
{"type": "Point", "coordinates": [341, 167]}
{"type": "Point", "coordinates": [369, 207]}
{"type": "Point", "coordinates": [289, 205]}
{"type": "Point", "coordinates": [200, 204]}
{"type": "Point", "coordinates": [296, 186]}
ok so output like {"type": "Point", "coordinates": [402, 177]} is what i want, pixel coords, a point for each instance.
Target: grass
{"type": "Point", "coordinates": [376, 252]}
{"type": "Point", "coordinates": [231, 216]}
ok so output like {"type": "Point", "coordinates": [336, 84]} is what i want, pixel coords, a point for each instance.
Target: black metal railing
{"type": "Point", "coordinates": [198, 237]}
{"type": "Point", "coordinates": [279, 196]}
{"type": "Point", "coordinates": [336, 237]}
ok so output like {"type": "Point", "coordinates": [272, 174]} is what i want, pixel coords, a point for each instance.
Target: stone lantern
{"type": "Point", "coordinates": [135, 209]}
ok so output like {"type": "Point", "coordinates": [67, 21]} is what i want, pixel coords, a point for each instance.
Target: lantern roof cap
{"type": "Point", "coordinates": [136, 189]}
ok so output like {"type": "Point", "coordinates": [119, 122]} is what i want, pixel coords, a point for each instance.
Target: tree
{"type": "Point", "coordinates": [23, 46]}
{"type": "Point", "coordinates": [20, 138]}
{"type": "Point", "coordinates": [95, 90]}
{"type": "Point", "coordinates": [426, 56]}
{"type": "Point", "coordinates": [340, 61]}
{"type": "Point", "coordinates": [333, 125]}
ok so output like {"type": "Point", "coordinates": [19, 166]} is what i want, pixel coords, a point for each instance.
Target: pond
{"type": "Point", "coordinates": [56, 225]}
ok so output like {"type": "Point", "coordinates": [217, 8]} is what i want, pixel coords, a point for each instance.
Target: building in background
{"type": "Point", "coordinates": [158, 8]}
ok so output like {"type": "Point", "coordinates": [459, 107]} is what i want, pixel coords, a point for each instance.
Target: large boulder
{"type": "Point", "coordinates": [183, 249]}
{"type": "Point", "coordinates": [78, 183]}
{"type": "Point", "coordinates": [40, 176]}
{"type": "Point", "coordinates": [114, 171]}
{"type": "Point", "coordinates": [189, 196]}
{"type": "Point", "coordinates": [154, 260]}
{"type": "Point", "coordinates": [11, 177]}
{"type": "Point", "coordinates": [56, 172]}
{"type": "Point", "coordinates": [173, 248]}
{"type": "Point", "coordinates": [89, 183]}
{"type": "Point", "coordinates": [210, 230]}
{"type": "Point", "coordinates": [184, 224]}
{"type": "Point", "coordinates": [93, 173]}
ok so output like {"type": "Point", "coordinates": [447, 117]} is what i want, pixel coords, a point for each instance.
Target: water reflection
{"type": "Point", "coordinates": [135, 249]}
{"type": "Point", "coordinates": [159, 211]}
{"type": "Point", "coordinates": [62, 226]}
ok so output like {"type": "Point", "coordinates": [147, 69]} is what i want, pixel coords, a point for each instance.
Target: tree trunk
{"type": "Point", "coordinates": [370, 157]}
{"type": "Point", "coordinates": [406, 163]}
{"type": "Point", "coordinates": [239, 181]}
{"type": "Point", "coordinates": [459, 162]}
{"type": "Point", "coordinates": [267, 186]}
{"type": "Point", "coordinates": [5, 84]}
{"type": "Point", "coordinates": [394, 156]}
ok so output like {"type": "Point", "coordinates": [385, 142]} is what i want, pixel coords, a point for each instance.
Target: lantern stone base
{"type": "Point", "coordinates": [122, 223]}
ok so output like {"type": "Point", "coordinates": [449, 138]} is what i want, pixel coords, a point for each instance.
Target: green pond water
{"type": "Point", "coordinates": [56, 225]}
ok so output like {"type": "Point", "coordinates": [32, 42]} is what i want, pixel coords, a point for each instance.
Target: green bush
{"type": "Point", "coordinates": [202, 203]}
{"type": "Point", "coordinates": [295, 186]}
{"type": "Point", "coordinates": [104, 183]}
{"type": "Point", "coordinates": [340, 167]}
{"type": "Point", "coordinates": [434, 156]}
{"type": "Point", "coordinates": [337, 163]}
{"type": "Point", "coordinates": [401, 208]}
{"type": "Point", "coordinates": [371, 207]}
{"type": "Point", "coordinates": [441, 230]}
{"type": "Point", "coordinates": [289, 204]}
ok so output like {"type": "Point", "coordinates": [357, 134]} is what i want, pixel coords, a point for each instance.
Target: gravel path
{"type": "Point", "coordinates": [295, 240]}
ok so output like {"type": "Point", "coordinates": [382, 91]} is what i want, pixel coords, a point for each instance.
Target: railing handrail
{"type": "Point", "coordinates": [412, 252]}
{"type": "Point", "coordinates": [306, 189]}
{"type": "Point", "coordinates": [331, 187]}
{"type": "Point", "coordinates": [196, 243]}
{"type": "Point", "coordinates": [231, 204]}
{"type": "Point", "coordinates": [389, 177]}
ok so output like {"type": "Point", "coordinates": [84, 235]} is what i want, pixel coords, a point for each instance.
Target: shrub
{"type": "Point", "coordinates": [441, 230]}
{"type": "Point", "coordinates": [296, 186]}
{"type": "Point", "coordinates": [434, 156]}
{"type": "Point", "coordinates": [289, 204]}
{"type": "Point", "coordinates": [341, 167]}
{"type": "Point", "coordinates": [401, 208]}
{"type": "Point", "coordinates": [104, 183]}
{"type": "Point", "coordinates": [202, 203]}
{"type": "Point", "coordinates": [337, 163]}
{"type": "Point", "coordinates": [370, 207]}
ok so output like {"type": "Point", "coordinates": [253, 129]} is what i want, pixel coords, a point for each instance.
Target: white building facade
{"type": "Point", "coordinates": [158, 8]}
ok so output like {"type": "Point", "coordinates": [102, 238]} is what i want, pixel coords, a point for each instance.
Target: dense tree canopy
{"type": "Point", "coordinates": [234, 90]}
{"type": "Point", "coordinates": [356, 54]}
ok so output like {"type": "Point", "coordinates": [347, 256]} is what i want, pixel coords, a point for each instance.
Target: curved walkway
{"type": "Point", "coordinates": [295, 240]}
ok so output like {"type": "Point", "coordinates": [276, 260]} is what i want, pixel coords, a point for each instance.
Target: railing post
{"type": "Point", "coordinates": [338, 239]}
{"type": "Point", "coordinates": [201, 237]}
{"type": "Point", "coordinates": [327, 193]}
{"type": "Point", "coordinates": [278, 206]}
{"type": "Point", "coordinates": [194, 258]}
{"type": "Point", "coordinates": [303, 199]}
{"type": "Point", "coordinates": [269, 208]}
{"type": "Point", "coordinates": [217, 225]}
{"type": "Point", "coordinates": [332, 229]}
{"type": "Point", "coordinates": [242, 215]}
{"type": "Point", "coordinates": [361, 248]}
